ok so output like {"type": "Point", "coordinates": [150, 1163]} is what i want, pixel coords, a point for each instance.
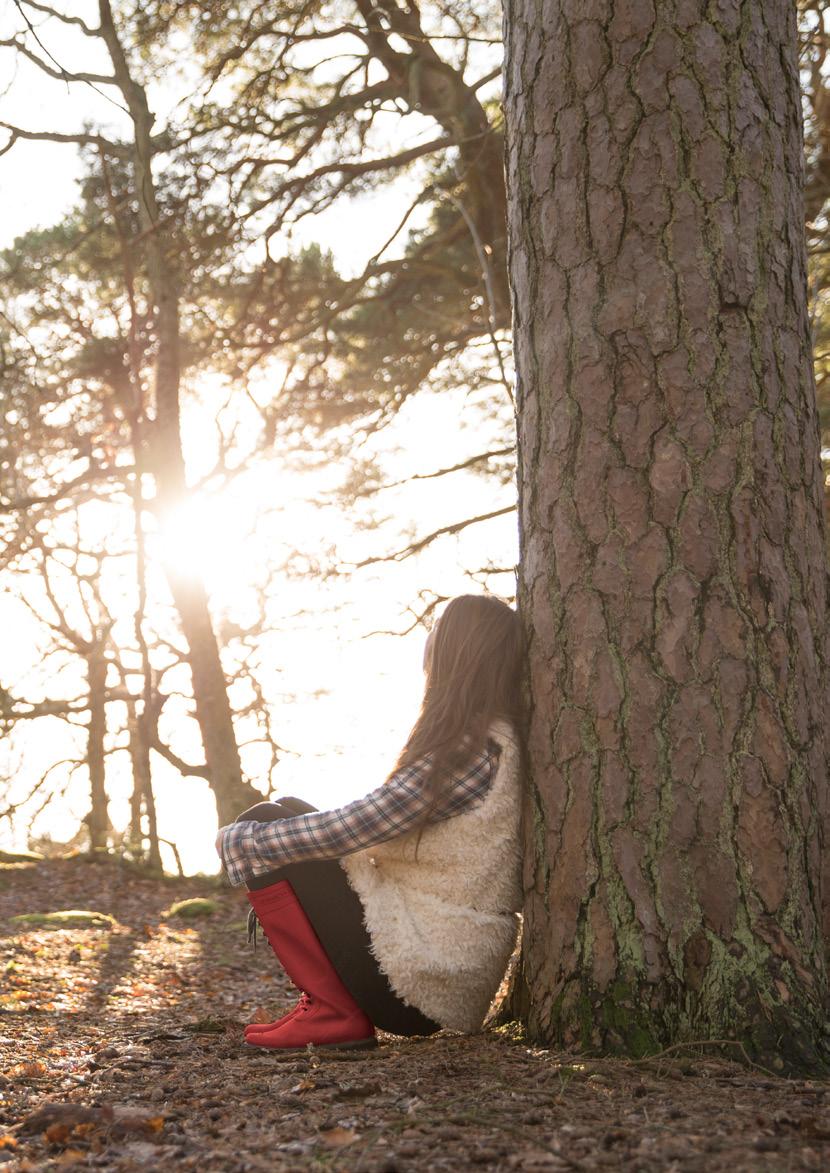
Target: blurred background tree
{"type": "Point", "coordinates": [814, 43]}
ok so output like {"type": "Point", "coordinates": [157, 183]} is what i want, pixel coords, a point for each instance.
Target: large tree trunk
{"type": "Point", "coordinates": [210, 693]}
{"type": "Point", "coordinates": [673, 578]}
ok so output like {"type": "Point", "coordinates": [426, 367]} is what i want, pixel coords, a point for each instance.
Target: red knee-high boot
{"type": "Point", "coordinates": [258, 1028]}
{"type": "Point", "coordinates": [326, 1015]}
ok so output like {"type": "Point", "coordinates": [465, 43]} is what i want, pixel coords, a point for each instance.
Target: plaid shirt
{"type": "Point", "coordinates": [251, 848]}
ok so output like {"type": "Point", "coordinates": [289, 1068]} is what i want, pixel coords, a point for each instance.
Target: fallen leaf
{"type": "Point", "coordinates": [27, 1070]}
{"type": "Point", "coordinates": [8, 1142]}
{"type": "Point", "coordinates": [58, 1133]}
{"type": "Point", "coordinates": [338, 1138]}
{"type": "Point", "coordinates": [77, 1117]}
{"type": "Point", "coordinates": [305, 1085]}
{"type": "Point", "coordinates": [134, 1120]}
{"type": "Point", "coordinates": [261, 1015]}
{"type": "Point", "coordinates": [70, 1156]}
{"type": "Point", "coordinates": [60, 1121]}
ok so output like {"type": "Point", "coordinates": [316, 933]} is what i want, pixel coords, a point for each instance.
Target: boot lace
{"type": "Point", "coordinates": [305, 1003]}
{"type": "Point", "coordinates": [252, 927]}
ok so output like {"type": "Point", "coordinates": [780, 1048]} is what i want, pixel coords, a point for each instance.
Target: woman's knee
{"type": "Point", "coordinates": [261, 812]}
{"type": "Point", "coordinates": [296, 806]}
{"type": "Point", "coordinates": [268, 812]}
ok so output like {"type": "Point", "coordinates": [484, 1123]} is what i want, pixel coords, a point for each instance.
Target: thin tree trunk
{"type": "Point", "coordinates": [142, 800]}
{"type": "Point", "coordinates": [673, 578]}
{"type": "Point", "coordinates": [135, 837]}
{"type": "Point", "coordinates": [98, 818]}
{"type": "Point", "coordinates": [213, 711]}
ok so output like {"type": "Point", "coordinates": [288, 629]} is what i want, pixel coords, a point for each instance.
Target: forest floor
{"type": "Point", "coordinates": [120, 1050]}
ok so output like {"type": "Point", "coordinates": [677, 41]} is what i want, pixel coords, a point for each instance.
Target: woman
{"type": "Point", "coordinates": [398, 911]}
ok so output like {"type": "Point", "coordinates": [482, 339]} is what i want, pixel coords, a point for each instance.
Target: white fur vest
{"type": "Point", "coordinates": [442, 927]}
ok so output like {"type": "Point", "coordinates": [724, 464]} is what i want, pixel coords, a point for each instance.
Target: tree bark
{"type": "Point", "coordinates": [673, 580]}
{"type": "Point", "coordinates": [213, 711]}
{"type": "Point", "coordinates": [98, 818]}
{"type": "Point", "coordinates": [142, 798]}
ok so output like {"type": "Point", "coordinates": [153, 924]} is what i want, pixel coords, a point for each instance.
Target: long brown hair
{"type": "Point", "coordinates": [473, 676]}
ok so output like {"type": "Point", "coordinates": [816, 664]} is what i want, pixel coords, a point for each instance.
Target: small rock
{"type": "Point", "coordinates": [294, 1147]}
{"type": "Point", "coordinates": [356, 1091]}
{"type": "Point", "coordinates": [446, 1132]}
{"type": "Point", "coordinates": [766, 1144]}
{"type": "Point", "coordinates": [289, 1100]}
{"type": "Point", "coordinates": [144, 1152]}
{"type": "Point", "coordinates": [614, 1137]}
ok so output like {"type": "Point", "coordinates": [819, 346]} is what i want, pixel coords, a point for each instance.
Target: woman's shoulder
{"type": "Point", "coordinates": [503, 732]}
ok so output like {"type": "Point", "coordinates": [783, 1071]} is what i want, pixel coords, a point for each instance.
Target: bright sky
{"type": "Point", "coordinates": [343, 698]}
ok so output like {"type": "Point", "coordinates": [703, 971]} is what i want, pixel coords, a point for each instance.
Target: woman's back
{"type": "Point", "coordinates": [441, 906]}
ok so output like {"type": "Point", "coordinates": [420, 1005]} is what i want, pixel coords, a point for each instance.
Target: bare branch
{"type": "Point", "coordinates": [354, 167]}
{"type": "Point", "coordinates": [89, 476]}
{"type": "Point", "coordinates": [12, 808]}
{"type": "Point", "coordinates": [421, 618]}
{"type": "Point", "coordinates": [48, 11]}
{"type": "Point", "coordinates": [182, 766]}
{"type": "Point", "coordinates": [422, 543]}
{"type": "Point", "coordinates": [97, 140]}
{"type": "Point", "coordinates": [482, 81]}
{"type": "Point", "coordinates": [10, 710]}
{"type": "Point", "coordinates": [480, 458]}
{"type": "Point", "coordinates": [169, 843]}
{"type": "Point", "coordinates": [59, 74]}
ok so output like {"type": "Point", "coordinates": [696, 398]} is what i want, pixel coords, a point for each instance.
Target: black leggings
{"type": "Point", "coordinates": [335, 911]}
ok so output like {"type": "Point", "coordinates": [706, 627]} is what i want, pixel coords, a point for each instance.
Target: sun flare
{"type": "Point", "coordinates": [210, 538]}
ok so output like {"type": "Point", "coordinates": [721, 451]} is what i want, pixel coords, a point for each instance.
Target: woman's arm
{"type": "Point", "coordinates": [251, 848]}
